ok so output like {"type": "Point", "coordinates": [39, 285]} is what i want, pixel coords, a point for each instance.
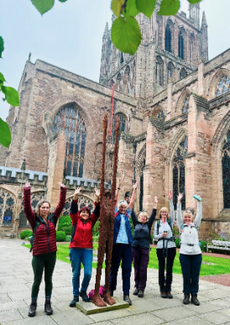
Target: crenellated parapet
{"type": "Point", "coordinates": [17, 175]}
{"type": "Point", "coordinates": [86, 183]}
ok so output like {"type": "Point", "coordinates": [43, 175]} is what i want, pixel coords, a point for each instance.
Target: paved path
{"type": "Point", "coordinates": [15, 285]}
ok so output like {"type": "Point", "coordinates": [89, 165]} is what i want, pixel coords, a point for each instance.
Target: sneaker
{"type": "Point", "coordinates": [127, 299]}
{"type": "Point", "coordinates": [163, 295]}
{"type": "Point", "coordinates": [186, 299]}
{"type": "Point", "coordinates": [195, 301]}
{"type": "Point", "coordinates": [135, 292]}
{"type": "Point", "coordinates": [32, 309]}
{"type": "Point", "coordinates": [141, 294]}
{"type": "Point", "coordinates": [73, 302]}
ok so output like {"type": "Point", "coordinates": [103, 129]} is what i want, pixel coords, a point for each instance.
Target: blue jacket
{"type": "Point", "coordinates": [117, 223]}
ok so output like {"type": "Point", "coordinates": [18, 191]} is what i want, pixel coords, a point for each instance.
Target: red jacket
{"type": "Point", "coordinates": [45, 234]}
{"type": "Point", "coordinates": [83, 229]}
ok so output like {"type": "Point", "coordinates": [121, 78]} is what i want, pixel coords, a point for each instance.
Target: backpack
{"type": "Point", "coordinates": [37, 223]}
{"type": "Point", "coordinates": [170, 224]}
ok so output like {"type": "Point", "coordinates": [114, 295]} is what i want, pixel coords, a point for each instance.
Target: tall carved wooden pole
{"type": "Point", "coordinates": [107, 207]}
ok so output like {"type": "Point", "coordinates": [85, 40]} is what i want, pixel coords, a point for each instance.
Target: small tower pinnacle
{"type": "Point", "coordinates": [194, 13]}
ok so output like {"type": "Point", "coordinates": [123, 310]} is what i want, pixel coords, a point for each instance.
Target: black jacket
{"type": "Point", "coordinates": [142, 230]}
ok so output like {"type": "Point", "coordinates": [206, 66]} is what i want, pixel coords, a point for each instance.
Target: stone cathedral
{"type": "Point", "coordinates": [174, 108]}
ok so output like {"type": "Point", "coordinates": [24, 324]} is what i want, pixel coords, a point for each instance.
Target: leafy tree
{"type": "Point", "coordinates": [125, 35]}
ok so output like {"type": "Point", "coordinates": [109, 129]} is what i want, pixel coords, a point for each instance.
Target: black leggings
{"type": "Point", "coordinates": [39, 262]}
{"type": "Point", "coordinates": [165, 280]}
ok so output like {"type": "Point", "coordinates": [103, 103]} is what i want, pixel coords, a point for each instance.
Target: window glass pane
{"type": "Point", "coordinates": [69, 119]}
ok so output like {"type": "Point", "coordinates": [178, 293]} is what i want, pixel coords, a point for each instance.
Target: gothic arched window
{"type": "Point", "coordinates": [141, 186]}
{"type": "Point", "coordinates": [82, 201]}
{"type": "Point", "coordinates": [223, 86]}
{"type": "Point", "coordinates": [70, 120]}
{"type": "Point", "coordinates": [181, 45]}
{"type": "Point", "coordinates": [191, 47]}
{"type": "Point", "coordinates": [160, 71]}
{"type": "Point", "coordinates": [179, 172]}
{"type": "Point", "coordinates": [7, 205]}
{"type": "Point", "coordinates": [170, 71]}
{"type": "Point", "coordinates": [159, 114]}
{"type": "Point", "coordinates": [123, 125]}
{"type": "Point", "coordinates": [226, 171]}
{"type": "Point", "coordinates": [168, 39]}
{"type": "Point", "coordinates": [160, 29]}
{"type": "Point", "coordinates": [122, 57]}
{"type": "Point", "coordinates": [186, 105]}
{"type": "Point", "coordinates": [183, 73]}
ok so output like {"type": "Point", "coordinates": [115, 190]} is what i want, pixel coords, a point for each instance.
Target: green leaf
{"type": "Point", "coordinates": [116, 7]}
{"type": "Point", "coordinates": [5, 135]}
{"type": "Point", "coordinates": [126, 34]}
{"type": "Point", "coordinates": [62, 0]}
{"type": "Point", "coordinates": [1, 46]}
{"type": "Point", "coordinates": [43, 5]}
{"type": "Point", "coordinates": [2, 79]}
{"type": "Point", "coordinates": [131, 9]}
{"type": "Point", "coordinates": [194, 1]}
{"type": "Point", "coordinates": [11, 95]}
{"type": "Point", "coordinates": [169, 7]}
{"type": "Point", "coordinates": [146, 7]}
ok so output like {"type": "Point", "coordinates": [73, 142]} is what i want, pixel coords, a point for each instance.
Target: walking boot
{"type": "Point", "coordinates": [194, 300]}
{"type": "Point", "coordinates": [169, 295]}
{"type": "Point", "coordinates": [47, 308]}
{"type": "Point", "coordinates": [141, 293]}
{"type": "Point", "coordinates": [127, 299]}
{"type": "Point", "coordinates": [163, 295]}
{"type": "Point", "coordinates": [84, 296]}
{"type": "Point", "coordinates": [186, 299]}
{"type": "Point", "coordinates": [32, 309]}
{"type": "Point", "coordinates": [73, 302]}
{"type": "Point", "coordinates": [135, 292]}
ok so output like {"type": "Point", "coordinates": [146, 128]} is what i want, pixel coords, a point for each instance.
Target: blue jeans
{"type": "Point", "coordinates": [190, 265]}
{"type": "Point", "coordinates": [78, 256]}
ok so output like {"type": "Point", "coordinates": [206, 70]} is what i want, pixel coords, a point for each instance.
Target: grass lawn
{"type": "Point", "coordinates": [211, 266]}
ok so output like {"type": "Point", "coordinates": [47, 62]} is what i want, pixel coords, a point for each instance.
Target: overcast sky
{"type": "Point", "coordinates": [69, 36]}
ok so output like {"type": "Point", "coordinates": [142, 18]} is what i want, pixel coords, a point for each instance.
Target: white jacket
{"type": "Point", "coordinates": [189, 233]}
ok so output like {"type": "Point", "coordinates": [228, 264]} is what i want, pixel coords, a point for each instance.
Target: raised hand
{"type": "Point", "coordinates": [27, 184]}
{"type": "Point", "coordinates": [77, 191]}
{"type": "Point", "coordinates": [119, 183]}
{"type": "Point", "coordinates": [135, 185]}
{"type": "Point", "coordinates": [156, 199]}
{"type": "Point", "coordinates": [97, 192]}
{"type": "Point", "coordinates": [61, 184]}
{"type": "Point", "coordinates": [179, 197]}
{"type": "Point", "coordinates": [170, 195]}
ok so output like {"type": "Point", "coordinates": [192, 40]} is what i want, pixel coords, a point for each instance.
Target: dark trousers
{"type": "Point", "coordinates": [165, 281]}
{"type": "Point", "coordinates": [121, 252]}
{"type": "Point", "coordinates": [190, 266]}
{"type": "Point", "coordinates": [40, 262]}
{"type": "Point", "coordinates": [140, 261]}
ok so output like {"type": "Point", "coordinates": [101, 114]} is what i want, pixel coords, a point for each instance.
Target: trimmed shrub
{"type": "Point", "coordinates": [177, 242]}
{"type": "Point", "coordinates": [203, 246]}
{"type": "Point", "coordinates": [68, 238]}
{"type": "Point", "coordinates": [60, 236]}
{"type": "Point", "coordinates": [65, 224]}
{"type": "Point", "coordinates": [96, 229]}
{"type": "Point", "coordinates": [26, 233]}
